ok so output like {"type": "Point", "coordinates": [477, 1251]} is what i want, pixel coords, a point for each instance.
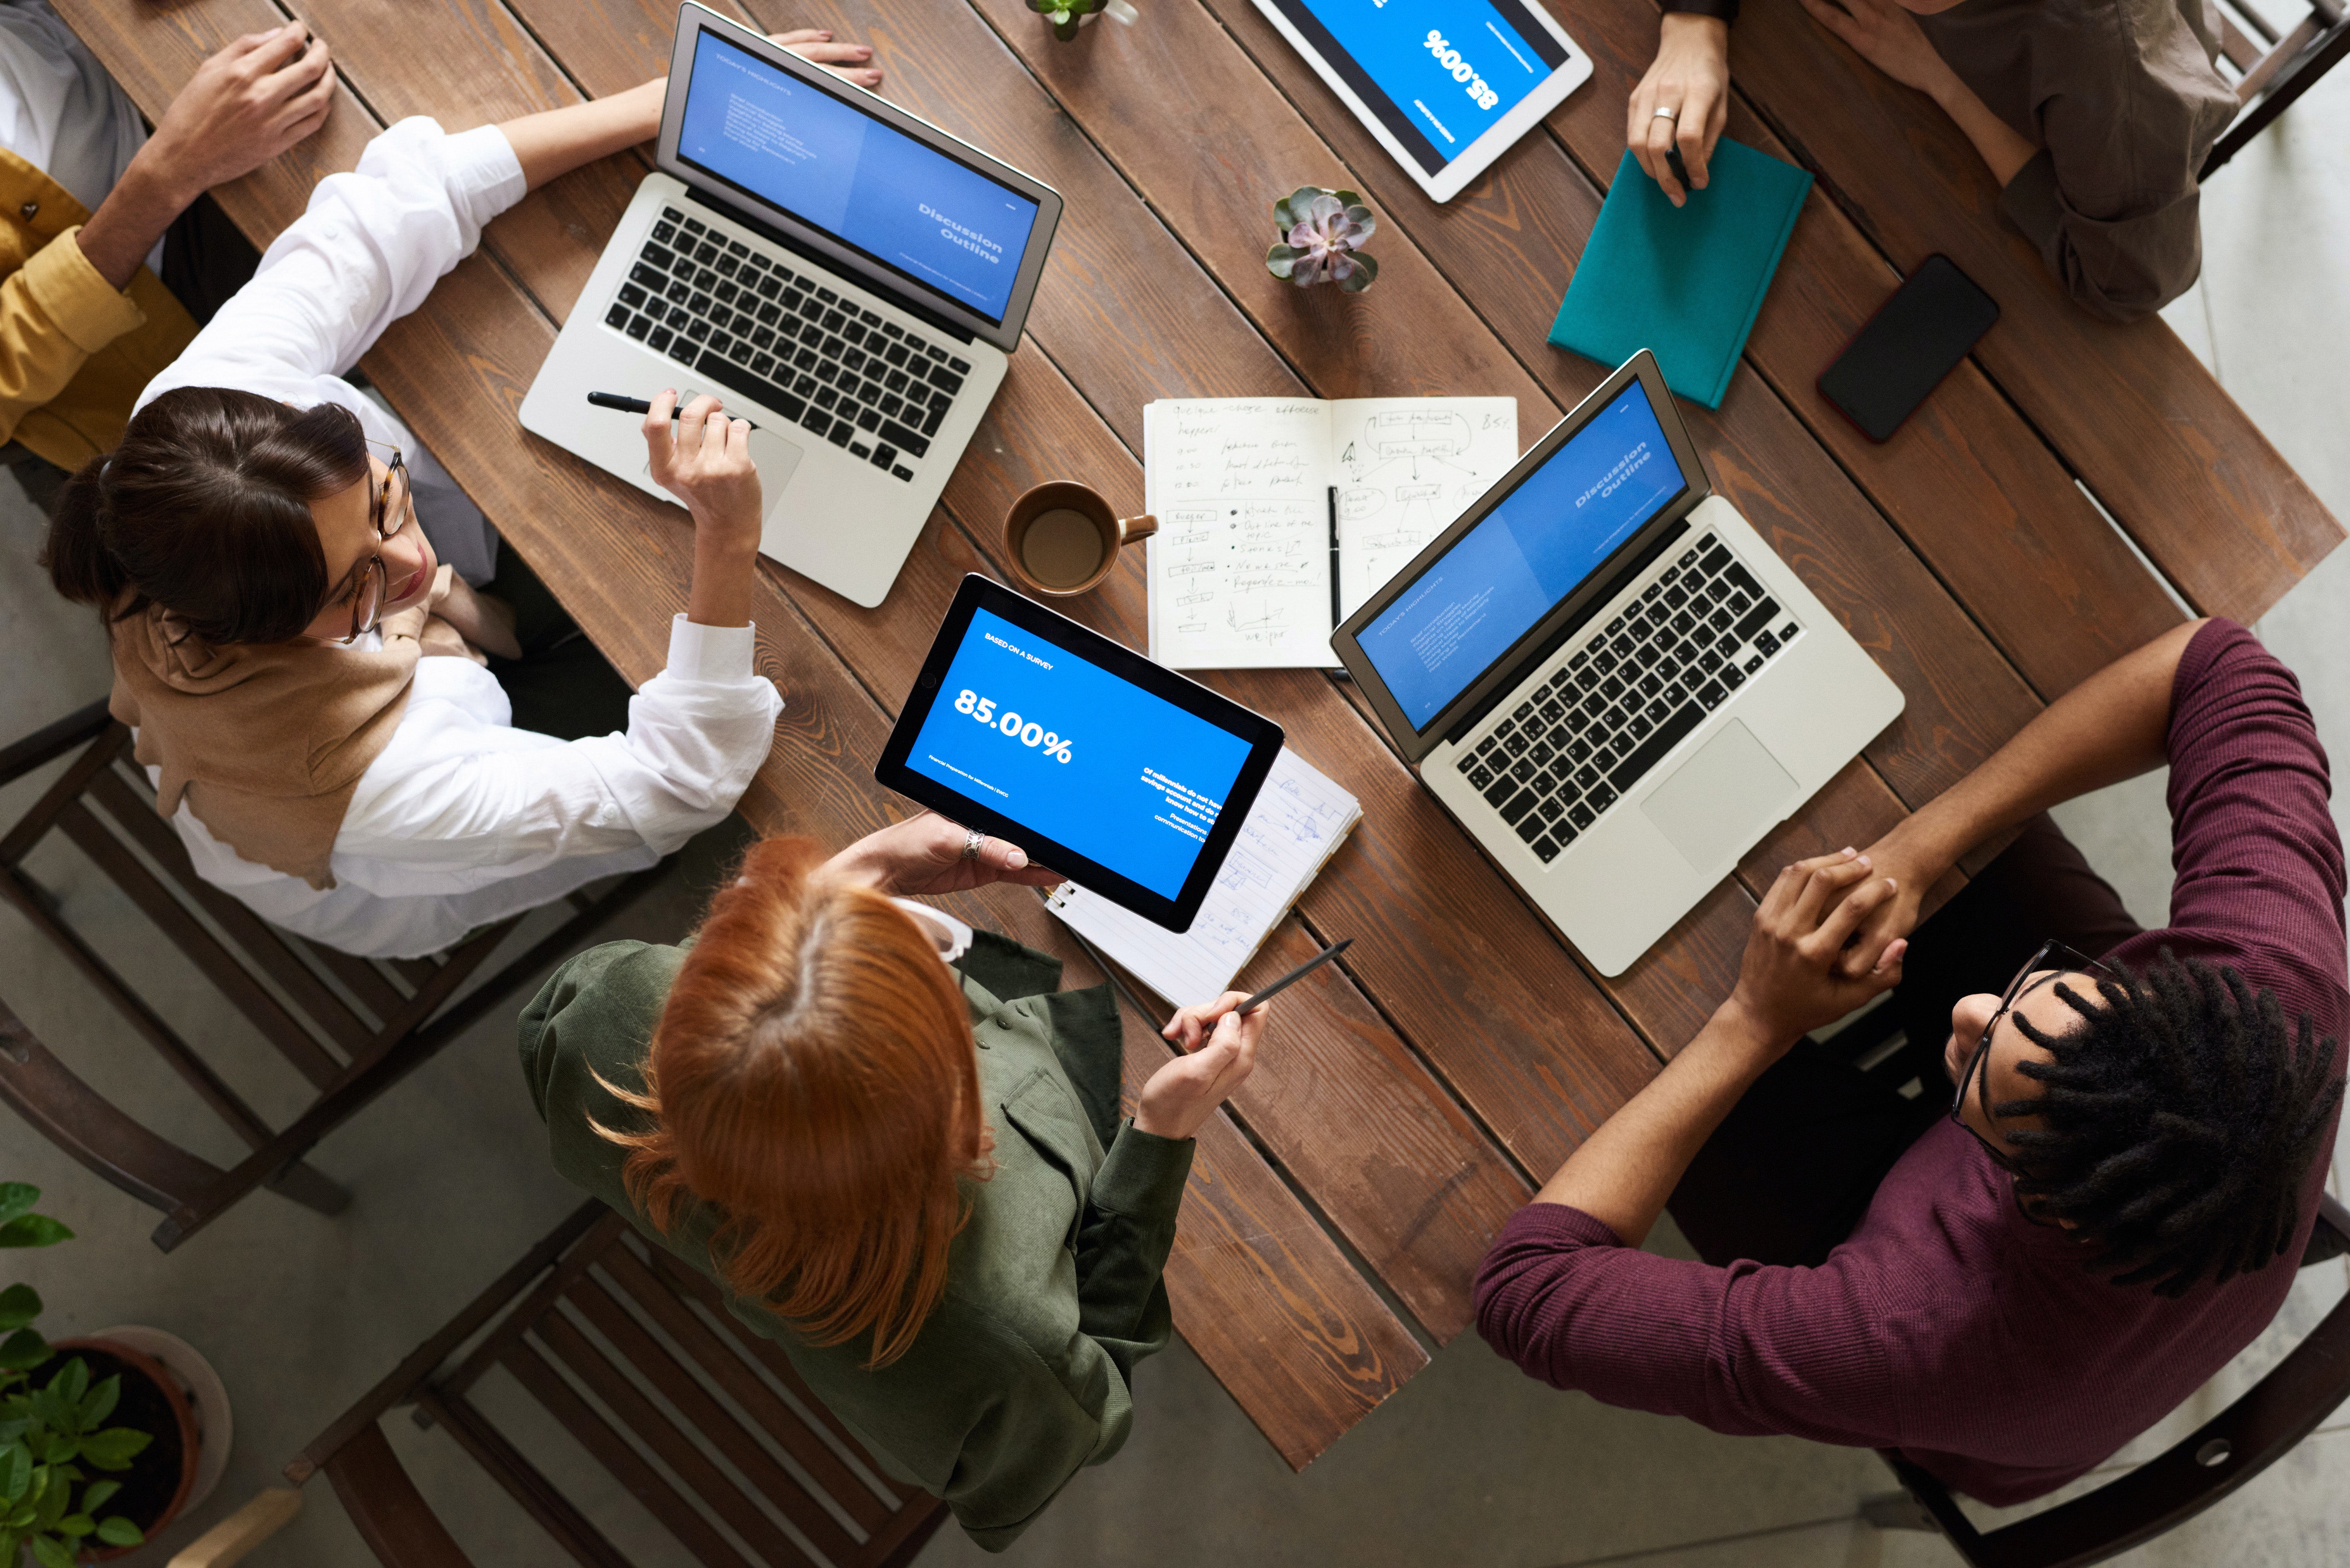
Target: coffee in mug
{"type": "Point", "coordinates": [1061, 538]}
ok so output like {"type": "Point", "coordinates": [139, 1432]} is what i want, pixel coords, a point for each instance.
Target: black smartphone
{"type": "Point", "coordinates": [1903, 351]}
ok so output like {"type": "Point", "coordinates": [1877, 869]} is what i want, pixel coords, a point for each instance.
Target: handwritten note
{"type": "Point", "coordinates": [1297, 823]}
{"type": "Point", "coordinates": [1245, 490]}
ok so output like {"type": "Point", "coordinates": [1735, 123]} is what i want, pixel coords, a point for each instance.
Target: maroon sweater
{"type": "Point", "coordinates": [1948, 1325]}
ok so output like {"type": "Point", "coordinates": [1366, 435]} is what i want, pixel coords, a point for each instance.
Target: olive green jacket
{"type": "Point", "coordinates": [1021, 1376]}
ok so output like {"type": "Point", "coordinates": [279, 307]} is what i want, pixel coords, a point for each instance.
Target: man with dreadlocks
{"type": "Point", "coordinates": [2007, 1282]}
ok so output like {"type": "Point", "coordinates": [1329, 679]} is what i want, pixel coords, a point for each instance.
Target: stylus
{"type": "Point", "coordinates": [1334, 617]}
{"type": "Point", "coordinates": [639, 406]}
{"type": "Point", "coordinates": [1293, 976]}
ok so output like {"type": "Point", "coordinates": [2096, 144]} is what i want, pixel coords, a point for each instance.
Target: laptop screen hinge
{"type": "Point", "coordinates": [930, 317]}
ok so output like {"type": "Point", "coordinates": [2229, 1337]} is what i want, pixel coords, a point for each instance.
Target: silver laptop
{"type": "Point", "coordinates": [1604, 672]}
{"type": "Point", "coordinates": [844, 276]}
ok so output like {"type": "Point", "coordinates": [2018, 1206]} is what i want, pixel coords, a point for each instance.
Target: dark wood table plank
{"type": "Point", "coordinates": [2131, 410]}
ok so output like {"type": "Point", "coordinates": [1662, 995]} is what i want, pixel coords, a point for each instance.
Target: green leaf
{"type": "Point", "coordinates": [52, 1553]}
{"type": "Point", "coordinates": [19, 1304]}
{"type": "Point", "coordinates": [1349, 198]}
{"type": "Point", "coordinates": [16, 1198]}
{"type": "Point", "coordinates": [95, 1497]}
{"type": "Point", "coordinates": [118, 1531]}
{"type": "Point", "coordinates": [115, 1447]}
{"type": "Point", "coordinates": [15, 1471]}
{"type": "Point", "coordinates": [1282, 260]}
{"type": "Point", "coordinates": [33, 1230]}
{"type": "Point", "coordinates": [22, 1350]}
{"type": "Point", "coordinates": [100, 1403]}
{"type": "Point", "coordinates": [52, 1506]}
{"type": "Point", "coordinates": [1366, 272]}
{"type": "Point", "coordinates": [77, 1525]}
{"type": "Point", "coordinates": [71, 1382]}
{"type": "Point", "coordinates": [62, 1447]}
{"type": "Point", "coordinates": [1290, 210]}
{"type": "Point", "coordinates": [1366, 219]}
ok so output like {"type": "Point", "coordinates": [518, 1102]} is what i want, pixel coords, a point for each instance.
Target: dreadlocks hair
{"type": "Point", "coordinates": [2178, 1123]}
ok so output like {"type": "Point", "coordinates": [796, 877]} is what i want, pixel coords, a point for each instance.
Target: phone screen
{"type": "Point", "coordinates": [1907, 346]}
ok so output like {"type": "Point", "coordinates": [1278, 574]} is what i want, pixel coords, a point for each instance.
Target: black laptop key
{"type": "Point", "coordinates": [1581, 814]}
{"type": "Point", "coordinates": [898, 436]}
{"type": "Point", "coordinates": [1652, 751]}
{"type": "Point", "coordinates": [1500, 791]}
{"type": "Point", "coordinates": [664, 232]}
{"type": "Point", "coordinates": [633, 297]}
{"type": "Point", "coordinates": [721, 343]}
{"type": "Point", "coordinates": [659, 341]}
{"type": "Point", "coordinates": [1733, 676]}
{"type": "Point", "coordinates": [1641, 726]}
{"type": "Point", "coordinates": [1546, 850]}
{"type": "Point", "coordinates": [684, 350]}
{"type": "Point", "coordinates": [705, 253]}
{"type": "Point", "coordinates": [1524, 769]}
{"type": "Point", "coordinates": [1518, 806]}
{"type": "Point", "coordinates": [646, 275]}
{"type": "Point", "coordinates": [639, 326]}
{"type": "Point", "coordinates": [1711, 694]}
{"type": "Point", "coordinates": [1757, 619]}
{"type": "Point", "coordinates": [1601, 798]}
{"type": "Point", "coordinates": [1766, 644]}
{"type": "Point", "coordinates": [859, 449]}
{"type": "Point", "coordinates": [884, 456]}
{"type": "Point", "coordinates": [726, 266]}
{"type": "Point", "coordinates": [868, 421]}
{"type": "Point", "coordinates": [936, 417]}
{"type": "Point", "coordinates": [946, 381]}
{"type": "Point", "coordinates": [1739, 605]}
{"type": "Point", "coordinates": [1744, 580]}
{"type": "Point", "coordinates": [1715, 560]}
{"type": "Point", "coordinates": [841, 430]}
{"type": "Point", "coordinates": [1787, 632]}
{"type": "Point", "coordinates": [618, 316]}
{"type": "Point", "coordinates": [735, 379]}
{"type": "Point", "coordinates": [1531, 828]}
{"type": "Point", "coordinates": [817, 420]}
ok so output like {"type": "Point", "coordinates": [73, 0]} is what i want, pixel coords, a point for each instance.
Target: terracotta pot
{"type": "Point", "coordinates": [163, 1475]}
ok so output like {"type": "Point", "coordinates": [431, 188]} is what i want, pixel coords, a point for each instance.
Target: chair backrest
{"type": "Point", "coordinates": [2273, 67]}
{"type": "Point", "coordinates": [692, 1413]}
{"type": "Point", "coordinates": [2189, 1476]}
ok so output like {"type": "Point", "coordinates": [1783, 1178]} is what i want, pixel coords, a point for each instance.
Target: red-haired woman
{"type": "Point", "coordinates": [896, 1146]}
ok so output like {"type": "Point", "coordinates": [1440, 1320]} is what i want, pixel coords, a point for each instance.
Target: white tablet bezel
{"type": "Point", "coordinates": [1479, 155]}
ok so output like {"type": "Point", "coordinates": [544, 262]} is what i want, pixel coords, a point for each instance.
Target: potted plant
{"type": "Point", "coordinates": [73, 1487]}
{"type": "Point", "coordinates": [1068, 15]}
{"type": "Point", "coordinates": [1321, 233]}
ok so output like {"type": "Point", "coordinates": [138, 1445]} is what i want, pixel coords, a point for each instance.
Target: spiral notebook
{"type": "Point", "coordinates": [1300, 819]}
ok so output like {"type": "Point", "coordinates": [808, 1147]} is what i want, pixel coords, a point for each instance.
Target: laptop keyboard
{"type": "Point", "coordinates": [1628, 693]}
{"type": "Point", "coordinates": [745, 320]}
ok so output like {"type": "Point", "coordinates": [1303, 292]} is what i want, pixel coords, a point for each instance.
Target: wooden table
{"type": "Point", "coordinates": [1408, 1102]}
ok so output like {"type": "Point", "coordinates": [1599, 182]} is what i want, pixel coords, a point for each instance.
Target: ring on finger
{"type": "Point", "coordinates": [1667, 114]}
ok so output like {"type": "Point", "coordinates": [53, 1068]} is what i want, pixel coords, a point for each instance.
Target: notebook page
{"type": "Point", "coordinates": [1406, 467]}
{"type": "Point", "coordinates": [1240, 568]}
{"type": "Point", "coordinates": [1298, 821]}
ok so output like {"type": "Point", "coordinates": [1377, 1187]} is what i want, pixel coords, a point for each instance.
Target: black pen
{"type": "Point", "coordinates": [1293, 976]}
{"type": "Point", "coordinates": [639, 406]}
{"type": "Point", "coordinates": [1334, 617]}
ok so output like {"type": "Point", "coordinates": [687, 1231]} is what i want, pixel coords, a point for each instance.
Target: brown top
{"type": "Point", "coordinates": [266, 741]}
{"type": "Point", "coordinates": [2123, 99]}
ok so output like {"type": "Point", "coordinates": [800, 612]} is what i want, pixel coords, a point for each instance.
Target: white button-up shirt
{"type": "Point", "coordinates": [461, 819]}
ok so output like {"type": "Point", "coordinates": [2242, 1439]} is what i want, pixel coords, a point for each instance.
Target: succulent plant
{"type": "Point", "coordinates": [1065, 15]}
{"type": "Point", "coordinates": [1321, 233]}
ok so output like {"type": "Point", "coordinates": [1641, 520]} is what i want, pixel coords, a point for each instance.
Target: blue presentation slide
{"type": "Point", "coordinates": [1452, 68]}
{"type": "Point", "coordinates": [1530, 552]}
{"type": "Point", "coordinates": [948, 227]}
{"type": "Point", "coordinates": [1117, 774]}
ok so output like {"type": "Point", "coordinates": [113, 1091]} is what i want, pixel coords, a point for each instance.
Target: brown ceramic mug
{"type": "Point", "coordinates": [1061, 538]}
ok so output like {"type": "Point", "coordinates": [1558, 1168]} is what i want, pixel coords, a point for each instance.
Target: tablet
{"type": "Point", "coordinates": [1445, 85]}
{"type": "Point", "coordinates": [1124, 776]}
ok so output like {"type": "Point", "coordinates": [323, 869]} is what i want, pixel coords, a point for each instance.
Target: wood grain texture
{"type": "Point", "coordinates": [2130, 409]}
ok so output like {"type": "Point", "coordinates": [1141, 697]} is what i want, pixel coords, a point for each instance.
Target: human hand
{"type": "Point", "coordinates": [258, 97]}
{"type": "Point", "coordinates": [849, 62]}
{"type": "Point", "coordinates": [705, 463]}
{"type": "Point", "coordinates": [1792, 980]}
{"type": "Point", "coordinates": [1689, 75]}
{"type": "Point", "coordinates": [924, 854]}
{"type": "Point", "coordinates": [1888, 37]}
{"type": "Point", "coordinates": [1220, 1048]}
{"type": "Point", "coordinates": [1904, 855]}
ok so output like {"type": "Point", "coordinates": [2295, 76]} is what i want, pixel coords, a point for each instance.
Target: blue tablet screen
{"type": "Point", "coordinates": [1118, 775]}
{"type": "Point", "coordinates": [901, 201]}
{"type": "Point", "coordinates": [1472, 603]}
{"type": "Point", "coordinates": [1439, 74]}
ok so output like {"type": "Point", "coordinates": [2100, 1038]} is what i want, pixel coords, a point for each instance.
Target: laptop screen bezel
{"type": "Point", "coordinates": [1416, 741]}
{"type": "Point", "coordinates": [694, 20]}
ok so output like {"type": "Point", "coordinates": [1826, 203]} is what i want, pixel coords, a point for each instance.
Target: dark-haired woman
{"type": "Point", "coordinates": [2111, 1171]}
{"type": "Point", "coordinates": [896, 1147]}
{"type": "Point", "coordinates": [276, 578]}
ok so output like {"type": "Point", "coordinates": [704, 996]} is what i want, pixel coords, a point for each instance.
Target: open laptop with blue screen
{"type": "Point", "coordinates": [847, 277]}
{"type": "Point", "coordinates": [1605, 673]}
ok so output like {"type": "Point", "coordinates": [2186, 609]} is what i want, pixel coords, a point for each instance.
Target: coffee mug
{"type": "Point", "coordinates": [1061, 539]}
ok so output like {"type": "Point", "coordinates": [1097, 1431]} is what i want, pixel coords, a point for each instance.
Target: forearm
{"type": "Point", "coordinates": [2002, 149]}
{"type": "Point", "coordinates": [723, 571]}
{"type": "Point", "coordinates": [556, 141]}
{"type": "Point", "coordinates": [1625, 1171]}
{"type": "Point", "coordinates": [131, 218]}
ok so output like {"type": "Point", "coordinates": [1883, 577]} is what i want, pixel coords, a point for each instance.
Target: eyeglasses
{"type": "Point", "coordinates": [2053, 955]}
{"type": "Point", "coordinates": [949, 935]}
{"type": "Point", "coordinates": [388, 514]}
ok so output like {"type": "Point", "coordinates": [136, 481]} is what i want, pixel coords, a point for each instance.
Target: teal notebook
{"type": "Point", "coordinates": [1685, 282]}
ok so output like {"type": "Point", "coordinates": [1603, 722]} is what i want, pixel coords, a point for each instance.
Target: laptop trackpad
{"type": "Point", "coordinates": [776, 459]}
{"type": "Point", "coordinates": [1721, 799]}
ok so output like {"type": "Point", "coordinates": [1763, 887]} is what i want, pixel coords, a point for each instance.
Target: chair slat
{"type": "Point", "coordinates": [680, 1323]}
{"type": "Point", "coordinates": [362, 977]}
{"type": "Point", "coordinates": [51, 742]}
{"type": "Point", "coordinates": [522, 1479]}
{"type": "Point", "coordinates": [710, 1420]}
{"type": "Point", "coordinates": [575, 1262]}
{"type": "Point", "coordinates": [78, 1120]}
{"type": "Point", "coordinates": [765, 1351]}
{"type": "Point", "coordinates": [68, 784]}
{"type": "Point", "coordinates": [2242, 52]}
{"type": "Point", "coordinates": [627, 1467]}
{"type": "Point", "coordinates": [392, 1517]}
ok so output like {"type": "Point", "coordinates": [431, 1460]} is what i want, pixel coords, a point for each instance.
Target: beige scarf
{"type": "Point", "coordinates": [266, 741]}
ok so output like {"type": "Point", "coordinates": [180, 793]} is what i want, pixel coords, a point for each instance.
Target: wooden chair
{"type": "Point", "coordinates": [631, 1353]}
{"type": "Point", "coordinates": [352, 1027]}
{"type": "Point", "coordinates": [2177, 1484]}
{"type": "Point", "coordinates": [2276, 71]}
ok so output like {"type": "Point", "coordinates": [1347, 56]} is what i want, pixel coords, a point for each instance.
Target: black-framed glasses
{"type": "Point", "coordinates": [387, 513]}
{"type": "Point", "coordinates": [2053, 955]}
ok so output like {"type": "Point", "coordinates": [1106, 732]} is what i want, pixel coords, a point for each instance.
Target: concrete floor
{"type": "Point", "coordinates": [1470, 1462]}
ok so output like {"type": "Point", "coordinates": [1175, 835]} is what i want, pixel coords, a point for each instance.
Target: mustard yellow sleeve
{"type": "Point", "coordinates": [56, 311]}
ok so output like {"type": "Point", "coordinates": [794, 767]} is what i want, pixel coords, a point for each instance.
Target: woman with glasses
{"type": "Point", "coordinates": [896, 1145]}
{"type": "Point", "coordinates": [2081, 1188]}
{"type": "Point", "coordinates": [277, 564]}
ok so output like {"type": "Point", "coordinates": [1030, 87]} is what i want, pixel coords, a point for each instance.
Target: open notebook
{"type": "Point", "coordinates": [1298, 822]}
{"type": "Point", "coordinates": [1278, 516]}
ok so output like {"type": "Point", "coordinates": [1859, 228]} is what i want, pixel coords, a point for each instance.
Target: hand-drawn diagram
{"type": "Point", "coordinates": [1408, 472]}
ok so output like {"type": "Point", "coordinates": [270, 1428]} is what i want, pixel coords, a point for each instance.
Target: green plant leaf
{"type": "Point", "coordinates": [52, 1553]}
{"type": "Point", "coordinates": [16, 1198]}
{"type": "Point", "coordinates": [1290, 210]}
{"type": "Point", "coordinates": [1368, 220]}
{"type": "Point", "coordinates": [1366, 272]}
{"type": "Point", "coordinates": [95, 1497]}
{"type": "Point", "coordinates": [117, 1530]}
{"type": "Point", "coordinates": [22, 1350]}
{"type": "Point", "coordinates": [15, 1471]}
{"type": "Point", "coordinates": [1348, 198]}
{"type": "Point", "coordinates": [115, 1447]}
{"type": "Point", "coordinates": [52, 1506]}
{"type": "Point", "coordinates": [77, 1525]}
{"type": "Point", "coordinates": [33, 1230]}
{"type": "Point", "coordinates": [1281, 260]}
{"type": "Point", "coordinates": [62, 1446]}
{"type": "Point", "coordinates": [70, 1384]}
{"type": "Point", "coordinates": [99, 1404]}
{"type": "Point", "coordinates": [19, 1304]}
